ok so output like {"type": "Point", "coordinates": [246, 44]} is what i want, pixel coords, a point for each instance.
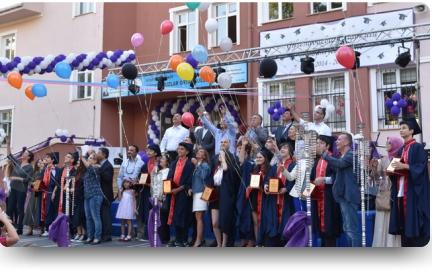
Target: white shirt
{"type": "Point", "coordinates": [172, 137]}
{"type": "Point", "coordinates": [320, 128]}
{"type": "Point", "coordinates": [129, 169]}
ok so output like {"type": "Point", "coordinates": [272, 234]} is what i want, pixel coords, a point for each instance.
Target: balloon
{"type": "Point", "coordinates": [395, 110]}
{"type": "Point", "coordinates": [185, 71]}
{"type": "Point", "coordinates": [203, 6]}
{"type": "Point", "coordinates": [277, 105]}
{"type": "Point", "coordinates": [63, 70]}
{"type": "Point", "coordinates": [345, 56]}
{"type": "Point", "coordinates": [402, 103]}
{"type": "Point", "coordinates": [137, 40]}
{"type": "Point", "coordinates": [113, 81]}
{"type": "Point", "coordinates": [389, 103]}
{"type": "Point", "coordinates": [15, 79]}
{"type": "Point", "coordinates": [330, 109]}
{"type": "Point", "coordinates": [39, 90]}
{"type": "Point", "coordinates": [268, 68]}
{"type": "Point", "coordinates": [191, 61]}
{"type": "Point", "coordinates": [188, 119]}
{"type": "Point", "coordinates": [192, 5]}
{"type": "Point", "coordinates": [211, 25]}
{"type": "Point", "coordinates": [226, 44]}
{"type": "Point", "coordinates": [28, 92]}
{"type": "Point", "coordinates": [207, 74]}
{"type": "Point", "coordinates": [324, 102]}
{"type": "Point", "coordinates": [166, 27]}
{"type": "Point", "coordinates": [276, 117]}
{"type": "Point", "coordinates": [129, 71]}
{"type": "Point", "coordinates": [224, 80]}
{"type": "Point", "coordinates": [199, 52]}
{"type": "Point", "coordinates": [396, 96]}
{"type": "Point", "coordinates": [174, 61]}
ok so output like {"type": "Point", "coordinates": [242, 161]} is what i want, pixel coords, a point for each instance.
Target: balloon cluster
{"type": "Point", "coordinates": [276, 111]}
{"type": "Point", "coordinates": [395, 103]}
{"type": "Point", "coordinates": [185, 107]}
{"type": "Point", "coordinates": [90, 61]}
{"type": "Point", "coordinates": [329, 108]}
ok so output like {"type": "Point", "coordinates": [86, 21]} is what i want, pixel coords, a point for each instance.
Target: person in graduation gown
{"type": "Point", "coordinates": [244, 221]}
{"type": "Point", "coordinates": [51, 185]}
{"type": "Point", "coordinates": [227, 193]}
{"type": "Point", "coordinates": [180, 213]}
{"type": "Point", "coordinates": [154, 153]}
{"type": "Point", "coordinates": [326, 216]}
{"type": "Point", "coordinates": [277, 208]}
{"type": "Point", "coordinates": [409, 216]}
{"type": "Point", "coordinates": [68, 172]}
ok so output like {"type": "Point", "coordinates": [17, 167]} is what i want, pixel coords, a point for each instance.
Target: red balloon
{"type": "Point", "coordinates": [166, 27]}
{"type": "Point", "coordinates": [188, 119]}
{"type": "Point", "coordinates": [346, 56]}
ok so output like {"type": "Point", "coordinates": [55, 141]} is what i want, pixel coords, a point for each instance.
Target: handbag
{"type": "Point", "coordinates": [382, 200]}
{"type": "Point", "coordinates": [217, 178]}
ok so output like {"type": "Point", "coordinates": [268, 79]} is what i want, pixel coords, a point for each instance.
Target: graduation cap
{"type": "Point", "coordinates": [266, 153]}
{"type": "Point", "coordinates": [55, 156]}
{"type": "Point", "coordinates": [329, 140]}
{"type": "Point", "coordinates": [412, 124]}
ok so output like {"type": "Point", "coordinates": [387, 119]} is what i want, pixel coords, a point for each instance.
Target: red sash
{"type": "Point", "coordinates": [177, 177]}
{"type": "Point", "coordinates": [318, 193]}
{"type": "Point", "coordinates": [404, 159]}
{"type": "Point", "coordinates": [150, 168]}
{"type": "Point", "coordinates": [45, 181]}
{"type": "Point", "coordinates": [281, 197]}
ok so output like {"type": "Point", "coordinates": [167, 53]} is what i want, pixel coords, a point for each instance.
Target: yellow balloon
{"type": "Point", "coordinates": [185, 71]}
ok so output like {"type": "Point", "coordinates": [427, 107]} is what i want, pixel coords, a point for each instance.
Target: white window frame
{"type": "Point", "coordinates": [76, 9]}
{"type": "Point", "coordinates": [74, 88]}
{"type": "Point", "coordinates": [2, 37]}
{"type": "Point", "coordinates": [346, 99]}
{"type": "Point", "coordinates": [328, 4]}
{"type": "Point", "coordinates": [377, 97]}
{"type": "Point", "coordinates": [12, 109]}
{"type": "Point", "coordinates": [263, 10]}
{"type": "Point", "coordinates": [173, 35]}
{"type": "Point", "coordinates": [211, 13]}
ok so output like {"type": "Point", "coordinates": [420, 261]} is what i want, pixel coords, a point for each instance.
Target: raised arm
{"type": "Point", "coordinates": [207, 124]}
{"type": "Point", "coordinates": [344, 162]}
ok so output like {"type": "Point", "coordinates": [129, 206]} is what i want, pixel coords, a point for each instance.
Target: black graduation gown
{"type": "Point", "coordinates": [144, 196]}
{"type": "Point", "coordinates": [269, 224]}
{"type": "Point", "coordinates": [227, 195]}
{"type": "Point", "coordinates": [288, 206]}
{"type": "Point", "coordinates": [244, 221]}
{"type": "Point", "coordinates": [52, 206]}
{"type": "Point", "coordinates": [417, 222]}
{"type": "Point", "coordinates": [332, 212]}
{"type": "Point", "coordinates": [72, 173]}
{"type": "Point", "coordinates": [183, 203]}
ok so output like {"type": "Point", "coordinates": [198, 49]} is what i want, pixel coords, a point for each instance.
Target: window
{"type": "Point", "coordinates": [275, 11]}
{"type": "Point", "coordinates": [8, 44]}
{"type": "Point", "coordinates": [390, 81]}
{"type": "Point", "coordinates": [82, 8]}
{"type": "Point", "coordinates": [318, 7]}
{"type": "Point", "coordinates": [226, 14]}
{"type": "Point", "coordinates": [185, 30]}
{"type": "Point", "coordinates": [283, 91]}
{"type": "Point", "coordinates": [333, 89]}
{"type": "Point", "coordinates": [81, 91]}
{"type": "Point", "coordinates": [6, 121]}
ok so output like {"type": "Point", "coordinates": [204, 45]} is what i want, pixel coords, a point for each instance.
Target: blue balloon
{"type": "Point", "coordinates": [39, 90]}
{"type": "Point", "coordinates": [63, 70]}
{"type": "Point", "coordinates": [113, 81]}
{"type": "Point", "coordinates": [199, 53]}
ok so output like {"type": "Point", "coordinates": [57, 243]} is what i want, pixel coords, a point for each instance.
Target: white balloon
{"type": "Point", "coordinates": [20, 66]}
{"type": "Point", "coordinates": [204, 6]}
{"type": "Point", "coordinates": [31, 72]}
{"type": "Point", "coordinates": [156, 141]}
{"type": "Point", "coordinates": [154, 118]}
{"type": "Point", "coordinates": [152, 136]}
{"type": "Point", "coordinates": [158, 123]}
{"type": "Point", "coordinates": [211, 25]}
{"type": "Point", "coordinates": [330, 109]}
{"type": "Point", "coordinates": [58, 132]}
{"type": "Point", "coordinates": [224, 80]}
{"type": "Point", "coordinates": [226, 44]}
{"type": "Point", "coordinates": [324, 102]}
{"type": "Point", "coordinates": [110, 53]}
{"type": "Point", "coordinates": [173, 111]}
{"type": "Point", "coordinates": [65, 132]}
{"type": "Point", "coordinates": [38, 69]}
{"type": "Point", "coordinates": [163, 109]}
{"type": "Point", "coordinates": [153, 112]}
{"type": "Point", "coordinates": [185, 109]}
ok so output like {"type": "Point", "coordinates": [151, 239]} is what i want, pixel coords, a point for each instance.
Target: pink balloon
{"type": "Point", "coordinates": [346, 56]}
{"type": "Point", "coordinates": [188, 119]}
{"type": "Point", "coordinates": [166, 27]}
{"type": "Point", "coordinates": [137, 40]}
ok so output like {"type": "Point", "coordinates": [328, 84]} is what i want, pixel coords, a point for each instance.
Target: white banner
{"type": "Point", "coordinates": [370, 56]}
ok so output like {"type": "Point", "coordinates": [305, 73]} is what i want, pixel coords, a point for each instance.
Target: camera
{"type": "Point", "coordinates": [119, 160]}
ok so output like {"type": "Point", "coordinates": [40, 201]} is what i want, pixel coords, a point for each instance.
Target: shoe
{"type": "Point", "coordinates": [77, 237]}
{"type": "Point", "coordinates": [88, 241]}
{"type": "Point", "coordinates": [128, 238]}
{"type": "Point", "coordinates": [171, 244]}
{"type": "Point", "coordinates": [45, 234]}
{"type": "Point", "coordinates": [107, 239]}
{"type": "Point", "coordinates": [82, 238]}
{"type": "Point", "coordinates": [122, 237]}
{"type": "Point", "coordinates": [95, 242]}
{"type": "Point", "coordinates": [202, 244]}
{"type": "Point", "coordinates": [179, 244]}
{"type": "Point", "coordinates": [142, 239]}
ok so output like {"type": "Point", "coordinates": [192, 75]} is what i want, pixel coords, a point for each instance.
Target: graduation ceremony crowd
{"type": "Point", "coordinates": [218, 159]}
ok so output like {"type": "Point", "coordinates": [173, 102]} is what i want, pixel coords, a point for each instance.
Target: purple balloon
{"type": "Point", "coordinates": [395, 110]}
{"type": "Point", "coordinates": [63, 138]}
{"type": "Point", "coordinates": [396, 96]}
{"type": "Point", "coordinates": [143, 154]}
{"type": "Point", "coordinates": [276, 117]}
{"type": "Point", "coordinates": [277, 105]}
{"type": "Point", "coordinates": [4, 69]}
{"type": "Point", "coordinates": [191, 61]}
{"type": "Point", "coordinates": [402, 103]}
{"type": "Point", "coordinates": [389, 103]}
{"type": "Point", "coordinates": [270, 110]}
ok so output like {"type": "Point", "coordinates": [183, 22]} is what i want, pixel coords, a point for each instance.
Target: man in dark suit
{"type": "Point", "coordinates": [282, 131]}
{"type": "Point", "coordinates": [205, 139]}
{"type": "Point", "coordinates": [106, 176]}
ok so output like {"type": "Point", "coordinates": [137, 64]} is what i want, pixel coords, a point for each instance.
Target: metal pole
{"type": "Point", "coordinates": [417, 56]}
{"type": "Point", "coordinates": [120, 111]}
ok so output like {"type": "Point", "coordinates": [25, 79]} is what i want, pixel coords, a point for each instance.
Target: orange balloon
{"type": "Point", "coordinates": [15, 79]}
{"type": "Point", "coordinates": [207, 74]}
{"type": "Point", "coordinates": [28, 92]}
{"type": "Point", "coordinates": [175, 61]}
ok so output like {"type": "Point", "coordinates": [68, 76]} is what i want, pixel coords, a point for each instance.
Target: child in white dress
{"type": "Point", "coordinates": [126, 210]}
